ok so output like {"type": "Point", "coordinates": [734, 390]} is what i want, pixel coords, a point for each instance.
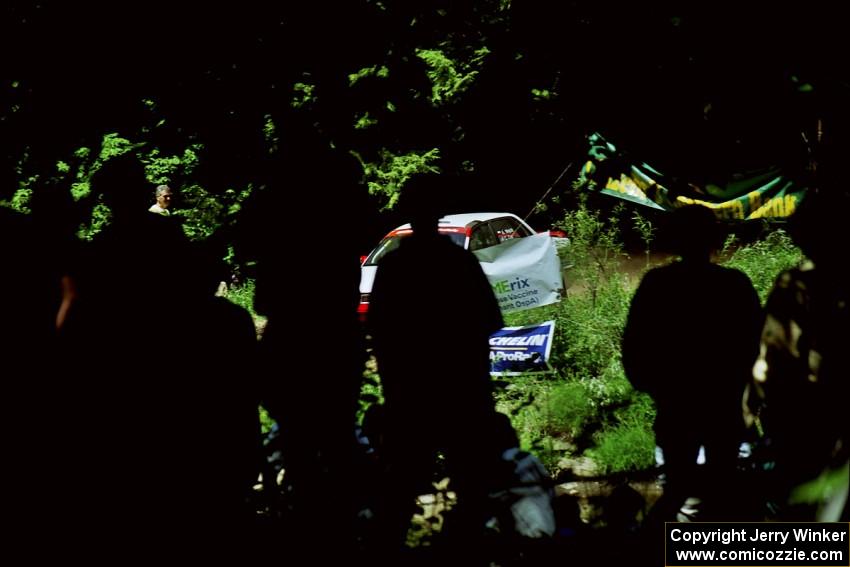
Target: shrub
{"type": "Point", "coordinates": [242, 295]}
{"type": "Point", "coordinates": [623, 448]}
{"type": "Point", "coordinates": [266, 421]}
{"type": "Point", "coordinates": [590, 328]}
{"type": "Point", "coordinates": [763, 260]}
{"type": "Point", "coordinates": [568, 410]}
{"type": "Point", "coordinates": [371, 391]}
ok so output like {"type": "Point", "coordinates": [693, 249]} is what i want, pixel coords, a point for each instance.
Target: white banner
{"type": "Point", "coordinates": [524, 272]}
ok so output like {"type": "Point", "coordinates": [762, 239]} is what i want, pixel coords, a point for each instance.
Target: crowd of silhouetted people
{"type": "Point", "coordinates": [130, 423]}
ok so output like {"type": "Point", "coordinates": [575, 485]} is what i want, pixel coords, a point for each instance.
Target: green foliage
{"type": "Point", "coordinates": [590, 320]}
{"type": "Point", "coordinates": [646, 231]}
{"type": "Point", "coordinates": [575, 408]}
{"type": "Point", "coordinates": [21, 200]}
{"type": "Point", "coordinates": [113, 146]}
{"type": "Point", "coordinates": [370, 390]}
{"type": "Point", "coordinates": [164, 169]}
{"type": "Point", "coordinates": [612, 391]}
{"type": "Point", "coordinates": [100, 217]}
{"type": "Point", "coordinates": [303, 95]}
{"type": "Point", "coordinates": [270, 134]}
{"type": "Point", "coordinates": [22, 197]}
{"type": "Point", "coordinates": [623, 448]}
{"type": "Point", "coordinates": [568, 410]}
{"type": "Point", "coordinates": [266, 420]}
{"type": "Point", "coordinates": [80, 190]}
{"type": "Point", "coordinates": [387, 177]}
{"type": "Point", "coordinates": [242, 295]}
{"type": "Point", "coordinates": [595, 246]}
{"type": "Point", "coordinates": [625, 441]}
{"type": "Point", "coordinates": [591, 328]}
{"type": "Point", "coordinates": [542, 94]}
{"type": "Point", "coordinates": [763, 260]}
{"type": "Point", "coordinates": [364, 121]}
{"type": "Point", "coordinates": [602, 418]}
{"type": "Point", "coordinates": [450, 78]}
{"type": "Point", "coordinates": [520, 397]}
{"type": "Point", "coordinates": [380, 71]}
{"type": "Point", "coordinates": [203, 213]}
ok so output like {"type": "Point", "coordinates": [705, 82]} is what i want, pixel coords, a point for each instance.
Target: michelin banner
{"type": "Point", "coordinates": [524, 272]}
{"type": "Point", "coordinates": [521, 350]}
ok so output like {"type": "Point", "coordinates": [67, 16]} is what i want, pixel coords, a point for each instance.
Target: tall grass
{"type": "Point", "coordinates": [763, 260]}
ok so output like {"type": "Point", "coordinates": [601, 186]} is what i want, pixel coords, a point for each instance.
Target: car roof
{"type": "Point", "coordinates": [464, 219]}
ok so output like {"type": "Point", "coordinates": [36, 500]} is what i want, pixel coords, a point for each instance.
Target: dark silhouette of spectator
{"type": "Point", "coordinates": [163, 196]}
{"type": "Point", "coordinates": [55, 220]}
{"type": "Point", "coordinates": [144, 398]}
{"type": "Point", "coordinates": [312, 347]}
{"type": "Point", "coordinates": [624, 511]}
{"type": "Point", "coordinates": [799, 390]}
{"type": "Point", "coordinates": [690, 342]}
{"type": "Point", "coordinates": [217, 360]}
{"type": "Point", "coordinates": [130, 278]}
{"type": "Point", "coordinates": [31, 292]}
{"type": "Point", "coordinates": [432, 311]}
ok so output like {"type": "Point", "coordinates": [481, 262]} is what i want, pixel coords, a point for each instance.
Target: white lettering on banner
{"type": "Point", "coordinates": [531, 340]}
{"type": "Point", "coordinates": [512, 356]}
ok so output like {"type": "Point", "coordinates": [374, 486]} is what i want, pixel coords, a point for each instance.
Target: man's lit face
{"type": "Point", "coordinates": [164, 199]}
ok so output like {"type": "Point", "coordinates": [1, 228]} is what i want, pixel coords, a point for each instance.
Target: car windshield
{"type": "Point", "coordinates": [391, 243]}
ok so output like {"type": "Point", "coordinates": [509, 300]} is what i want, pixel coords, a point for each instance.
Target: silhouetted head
{"type": "Point", "coordinates": [503, 432]}
{"type": "Point", "coordinates": [693, 232]}
{"type": "Point", "coordinates": [123, 186]}
{"type": "Point", "coordinates": [567, 514]}
{"type": "Point", "coordinates": [421, 203]}
{"type": "Point", "coordinates": [54, 210]}
{"type": "Point", "coordinates": [625, 508]}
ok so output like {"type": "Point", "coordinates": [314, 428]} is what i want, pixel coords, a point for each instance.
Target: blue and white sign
{"type": "Point", "coordinates": [521, 350]}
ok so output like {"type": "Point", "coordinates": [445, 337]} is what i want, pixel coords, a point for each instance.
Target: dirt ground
{"type": "Point", "coordinates": [634, 265]}
{"type": "Point", "coordinates": [637, 263]}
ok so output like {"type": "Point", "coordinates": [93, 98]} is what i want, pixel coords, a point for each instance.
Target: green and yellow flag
{"type": "Point", "coordinates": [765, 194]}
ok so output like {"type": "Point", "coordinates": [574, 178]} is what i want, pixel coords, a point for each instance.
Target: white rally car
{"type": "Point", "coordinates": [478, 233]}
